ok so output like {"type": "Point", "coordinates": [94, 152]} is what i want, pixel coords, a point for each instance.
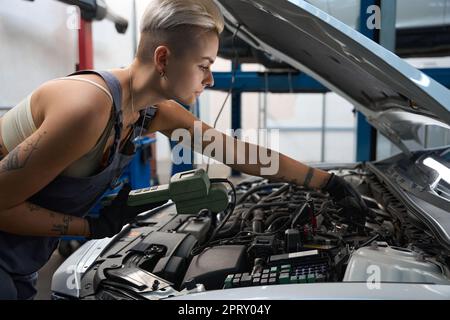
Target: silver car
{"type": "Point", "coordinates": [287, 242]}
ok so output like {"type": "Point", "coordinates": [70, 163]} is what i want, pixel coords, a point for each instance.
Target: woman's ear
{"type": "Point", "coordinates": [161, 58]}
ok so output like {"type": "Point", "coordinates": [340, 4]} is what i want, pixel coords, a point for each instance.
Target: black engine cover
{"type": "Point", "coordinates": [211, 267]}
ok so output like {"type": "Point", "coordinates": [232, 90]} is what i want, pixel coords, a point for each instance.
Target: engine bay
{"type": "Point", "coordinates": [271, 234]}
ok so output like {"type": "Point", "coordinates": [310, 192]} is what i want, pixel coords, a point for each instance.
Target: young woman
{"type": "Point", "coordinates": [68, 141]}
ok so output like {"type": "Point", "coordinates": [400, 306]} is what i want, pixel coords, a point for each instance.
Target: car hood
{"type": "Point", "coordinates": [396, 98]}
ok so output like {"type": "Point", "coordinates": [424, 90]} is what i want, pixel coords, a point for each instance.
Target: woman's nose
{"type": "Point", "coordinates": [209, 80]}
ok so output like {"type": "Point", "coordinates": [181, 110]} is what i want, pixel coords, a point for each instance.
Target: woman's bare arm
{"type": "Point", "coordinates": [28, 219]}
{"type": "Point", "coordinates": [70, 129]}
{"type": "Point", "coordinates": [172, 116]}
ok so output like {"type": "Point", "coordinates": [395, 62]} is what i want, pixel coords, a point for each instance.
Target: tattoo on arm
{"type": "Point", "coordinates": [18, 158]}
{"type": "Point", "coordinates": [32, 207]}
{"type": "Point", "coordinates": [63, 228]}
{"type": "Point", "coordinates": [308, 177]}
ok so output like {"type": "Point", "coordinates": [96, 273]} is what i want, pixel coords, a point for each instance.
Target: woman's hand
{"type": "Point", "coordinates": [114, 216]}
{"type": "Point", "coordinates": [346, 195]}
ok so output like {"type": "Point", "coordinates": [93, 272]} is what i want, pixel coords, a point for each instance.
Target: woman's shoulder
{"type": "Point", "coordinates": [72, 98]}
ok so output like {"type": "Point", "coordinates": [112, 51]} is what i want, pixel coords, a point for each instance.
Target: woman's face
{"type": "Point", "coordinates": [190, 74]}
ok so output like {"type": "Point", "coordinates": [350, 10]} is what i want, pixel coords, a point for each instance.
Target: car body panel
{"type": "Point", "coordinates": [67, 281]}
{"type": "Point", "coordinates": [328, 291]}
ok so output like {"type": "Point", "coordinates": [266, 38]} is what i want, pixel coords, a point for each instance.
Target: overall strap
{"type": "Point", "coordinates": [116, 91]}
{"type": "Point", "coordinates": [145, 118]}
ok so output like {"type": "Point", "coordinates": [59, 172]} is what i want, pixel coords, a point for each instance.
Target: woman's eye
{"type": "Point", "coordinates": [203, 68]}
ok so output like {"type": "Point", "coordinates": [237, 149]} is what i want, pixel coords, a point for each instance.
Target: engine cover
{"type": "Point", "coordinates": [212, 266]}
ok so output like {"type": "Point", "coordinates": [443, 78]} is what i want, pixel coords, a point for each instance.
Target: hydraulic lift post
{"type": "Point", "coordinates": [85, 46]}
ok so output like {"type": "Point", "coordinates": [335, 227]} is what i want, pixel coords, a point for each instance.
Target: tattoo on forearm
{"type": "Point", "coordinates": [63, 228]}
{"type": "Point", "coordinates": [308, 177]}
{"type": "Point", "coordinates": [18, 158]}
{"type": "Point", "coordinates": [12, 160]}
{"type": "Point", "coordinates": [32, 207]}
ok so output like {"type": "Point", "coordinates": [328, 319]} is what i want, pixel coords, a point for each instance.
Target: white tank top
{"type": "Point", "coordinates": [18, 124]}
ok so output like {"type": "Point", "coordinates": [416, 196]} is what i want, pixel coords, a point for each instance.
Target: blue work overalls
{"type": "Point", "coordinates": [22, 256]}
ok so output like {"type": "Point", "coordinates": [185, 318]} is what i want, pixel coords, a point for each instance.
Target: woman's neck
{"type": "Point", "coordinates": [145, 85]}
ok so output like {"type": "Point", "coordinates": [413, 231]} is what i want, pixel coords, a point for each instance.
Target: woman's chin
{"type": "Point", "coordinates": [189, 100]}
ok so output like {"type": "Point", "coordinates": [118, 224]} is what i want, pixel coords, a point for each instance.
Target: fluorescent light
{"type": "Point", "coordinates": [442, 170]}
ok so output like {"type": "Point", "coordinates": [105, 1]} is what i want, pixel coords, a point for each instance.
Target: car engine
{"type": "Point", "coordinates": [272, 234]}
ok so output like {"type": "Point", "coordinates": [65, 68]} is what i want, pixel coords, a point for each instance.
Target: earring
{"type": "Point", "coordinates": [162, 74]}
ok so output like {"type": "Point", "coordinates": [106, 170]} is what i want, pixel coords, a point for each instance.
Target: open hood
{"type": "Point", "coordinates": [396, 98]}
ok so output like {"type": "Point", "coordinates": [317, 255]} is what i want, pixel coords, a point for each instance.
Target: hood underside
{"type": "Point", "coordinates": [376, 81]}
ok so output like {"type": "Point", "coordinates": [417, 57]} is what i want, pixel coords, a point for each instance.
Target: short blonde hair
{"type": "Point", "coordinates": [169, 21]}
{"type": "Point", "coordinates": [169, 14]}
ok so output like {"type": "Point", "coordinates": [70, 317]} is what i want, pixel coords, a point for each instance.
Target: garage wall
{"type": "Point", "coordinates": [36, 44]}
{"type": "Point", "coordinates": [312, 127]}
{"type": "Point", "coordinates": [112, 49]}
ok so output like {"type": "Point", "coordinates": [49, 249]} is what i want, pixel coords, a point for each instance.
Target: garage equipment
{"type": "Point", "coordinates": [191, 191]}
